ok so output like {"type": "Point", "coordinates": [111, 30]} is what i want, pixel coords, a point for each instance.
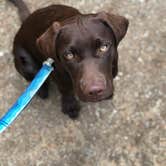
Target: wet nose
{"type": "Point", "coordinates": [95, 90]}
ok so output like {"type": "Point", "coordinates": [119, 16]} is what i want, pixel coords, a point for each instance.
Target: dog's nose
{"type": "Point", "coordinates": [96, 90]}
{"type": "Point", "coordinates": [93, 87]}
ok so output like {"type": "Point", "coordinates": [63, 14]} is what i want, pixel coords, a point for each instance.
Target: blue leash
{"type": "Point", "coordinates": [27, 95]}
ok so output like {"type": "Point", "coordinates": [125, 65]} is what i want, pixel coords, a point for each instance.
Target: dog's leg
{"type": "Point", "coordinates": [26, 66]}
{"type": "Point", "coordinates": [70, 104]}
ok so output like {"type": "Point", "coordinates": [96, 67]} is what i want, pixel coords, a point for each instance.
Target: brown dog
{"type": "Point", "coordinates": [84, 47]}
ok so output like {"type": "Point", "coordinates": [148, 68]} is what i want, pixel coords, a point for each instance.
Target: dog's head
{"type": "Point", "coordinates": [86, 46]}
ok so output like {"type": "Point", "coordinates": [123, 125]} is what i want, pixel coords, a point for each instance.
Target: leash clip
{"type": "Point", "coordinates": [48, 62]}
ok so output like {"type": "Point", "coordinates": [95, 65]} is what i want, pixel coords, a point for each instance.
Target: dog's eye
{"type": "Point", "coordinates": [104, 47]}
{"type": "Point", "coordinates": [69, 56]}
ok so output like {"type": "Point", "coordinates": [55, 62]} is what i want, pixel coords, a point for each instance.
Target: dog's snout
{"type": "Point", "coordinates": [93, 88]}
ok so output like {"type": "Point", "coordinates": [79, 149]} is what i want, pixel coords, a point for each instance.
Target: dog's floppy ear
{"type": "Point", "coordinates": [46, 42]}
{"type": "Point", "coordinates": [117, 23]}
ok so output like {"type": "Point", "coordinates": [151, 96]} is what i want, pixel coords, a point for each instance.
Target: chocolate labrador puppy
{"type": "Point", "coordinates": [83, 46]}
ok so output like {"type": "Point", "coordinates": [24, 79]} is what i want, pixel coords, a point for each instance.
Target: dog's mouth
{"type": "Point", "coordinates": [95, 98]}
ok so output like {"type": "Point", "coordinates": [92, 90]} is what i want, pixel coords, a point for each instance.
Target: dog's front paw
{"type": "Point", "coordinates": [43, 91]}
{"type": "Point", "coordinates": [70, 106]}
{"type": "Point", "coordinates": [43, 94]}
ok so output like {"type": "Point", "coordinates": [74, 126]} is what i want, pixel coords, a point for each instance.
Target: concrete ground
{"type": "Point", "coordinates": [130, 130]}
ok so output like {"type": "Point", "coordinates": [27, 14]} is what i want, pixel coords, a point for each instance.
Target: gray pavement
{"type": "Point", "coordinates": [129, 130]}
